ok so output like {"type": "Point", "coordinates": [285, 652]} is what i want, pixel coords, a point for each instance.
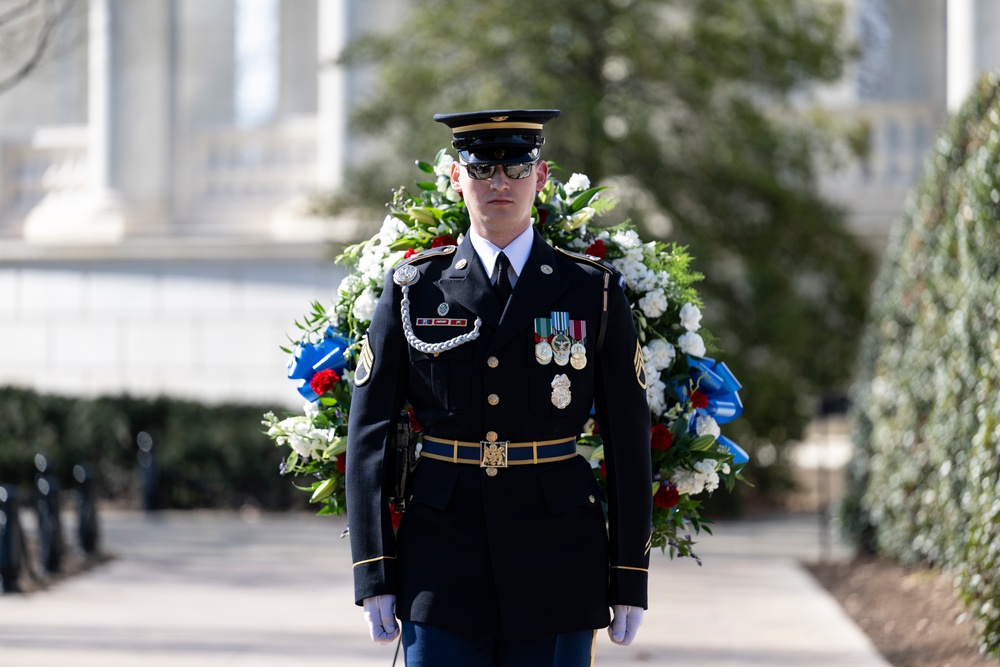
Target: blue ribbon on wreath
{"type": "Point", "coordinates": [718, 384]}
{"type": "Point", "coordinates": [311, 358]}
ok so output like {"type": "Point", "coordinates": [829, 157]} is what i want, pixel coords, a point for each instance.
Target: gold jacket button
{"type": "Point", "coordinates": [492, 362]}
{"type": "Point", "coordinates": [592, 499]}
{"type": "Point", "coordinates": [491, 436]}
{"type": "Point", "coordinates": [493, 399]}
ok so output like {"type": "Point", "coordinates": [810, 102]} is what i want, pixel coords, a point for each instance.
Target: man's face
{"type": "Point", "coordinates": [500, 206]}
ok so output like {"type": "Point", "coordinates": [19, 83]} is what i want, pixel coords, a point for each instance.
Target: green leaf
{"type": "Point", "coordinates": [425, 167]}
{"type": "Point", "coordinates": [430, 186]}
{"type": "Point", "coordinates": [584, 198]}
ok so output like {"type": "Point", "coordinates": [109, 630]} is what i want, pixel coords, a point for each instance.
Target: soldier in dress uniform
{"type": "Point", "coordinates": [502, 345]}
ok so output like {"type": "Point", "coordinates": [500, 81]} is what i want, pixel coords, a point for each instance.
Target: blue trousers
{"type": "Point", "coordinates": [428, 646]}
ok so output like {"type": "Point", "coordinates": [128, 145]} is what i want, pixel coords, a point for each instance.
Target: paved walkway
{"type": "Point", "coordinates": [194, 590]}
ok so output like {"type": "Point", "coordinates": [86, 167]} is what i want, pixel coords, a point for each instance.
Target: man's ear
{"type": "Point", "coordinates": [455, 185]}
{"type": "Point", "coordinates": [541, 175]}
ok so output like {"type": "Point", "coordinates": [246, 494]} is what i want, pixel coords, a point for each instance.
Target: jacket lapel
{"type": "Point", "coordinates": [465, 282]}
{"type": "Point", "coordinates": [535, 291]}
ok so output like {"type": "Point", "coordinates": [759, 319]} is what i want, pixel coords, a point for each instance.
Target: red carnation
{"type": "Point", "coordinates": [699, 400]}
{"type": "Point", "coordinates": [414, 425]}
{"type": "Point", "coordinates": [596, 430]}
{"type": "Point", "coordinates": [660, 437]}
{"type": "Point", "coordinates": [666, 497]}
{"type": "Point", "coordinates": [324, 381]}
{"type": "Point", "coordinates": [443, 240]}
{"type": "Point", "coordinates": [395, 516]}
{"type": "Point", "coordinates": [604, 470]}
{"type": "Point", "coordinates": [597, 249]}
{"type": "Point", "coordinates": [543, 215]}
{"type": "Point", "coordinates": [342, 464]}
{"type": "Point", "coordinates": [410, 253]}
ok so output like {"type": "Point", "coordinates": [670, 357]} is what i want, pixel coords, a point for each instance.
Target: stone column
{"type": "Point", "coordinates": [144, 103]}
{"type": "Point", "coordinates": [298, 60]}
{"type": "Point", "coordinates": [987, 35]}
{"type": "Point", "coordinates": [95, 216]}
{"type": "Point", "coordinates": [961, 45]}
{"type": "Point", "coordinates": [331, 100]}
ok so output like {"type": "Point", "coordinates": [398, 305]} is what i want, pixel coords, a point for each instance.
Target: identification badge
{"type": "Point", "coordinates": [561, 396]}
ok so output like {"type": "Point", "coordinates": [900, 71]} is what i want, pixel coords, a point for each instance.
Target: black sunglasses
{"type": "Point", "coordinates": [483, 172]}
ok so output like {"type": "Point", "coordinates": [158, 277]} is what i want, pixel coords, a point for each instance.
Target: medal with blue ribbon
{"type": "Point", "coordinates": [561, 342]}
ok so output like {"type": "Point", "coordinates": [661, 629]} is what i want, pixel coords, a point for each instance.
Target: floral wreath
{"type": "Point", "coordinates": [690, 395]}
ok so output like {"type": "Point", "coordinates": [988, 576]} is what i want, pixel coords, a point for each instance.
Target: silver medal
{"type": "Point", "coordinates": [543, 353]}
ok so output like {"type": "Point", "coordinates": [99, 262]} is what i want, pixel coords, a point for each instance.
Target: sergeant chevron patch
{"type": "Point", "coordinates": [640, 365]}
{"type": "Point", "coordinates": [366, 362]}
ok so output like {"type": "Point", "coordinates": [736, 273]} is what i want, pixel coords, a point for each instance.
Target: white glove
{"type": "Point", "coordinates": [625, 623]}
{"type": "Point", "coordinates": [379, 615]}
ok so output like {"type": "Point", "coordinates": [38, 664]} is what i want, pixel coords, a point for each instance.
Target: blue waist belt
{"type": "Point", "coordinates": [498, 454]}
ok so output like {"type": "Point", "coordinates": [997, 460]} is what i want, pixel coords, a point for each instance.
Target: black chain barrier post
{"type": "Point", "coordinates": [11, 541]}
{"type": "Point", "coordinates": [148, 471]}
{"type": "Point", "coordinates": [50, 544]}
{"type": "Point", "coordinates": [88, 531]}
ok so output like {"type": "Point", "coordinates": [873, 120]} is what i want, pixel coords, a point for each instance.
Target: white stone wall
{"type": "Point", "coordinates": [204, 330]}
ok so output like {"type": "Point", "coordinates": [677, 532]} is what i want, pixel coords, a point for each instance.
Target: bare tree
{"type": "Point", "coordinates": [27, 30]}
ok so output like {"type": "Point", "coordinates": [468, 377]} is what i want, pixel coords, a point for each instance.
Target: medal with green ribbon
{"type": "Point", "coordinates": [543, 351]}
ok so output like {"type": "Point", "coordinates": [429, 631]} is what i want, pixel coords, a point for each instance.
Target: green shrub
{"type": "Point", "coordinates": [923, 486]}
{"type": "Point", "coordinates": [205, 456]}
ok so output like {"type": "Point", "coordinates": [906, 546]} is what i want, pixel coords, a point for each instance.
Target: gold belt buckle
{"type": "Point", "coordinates": [492, 455]}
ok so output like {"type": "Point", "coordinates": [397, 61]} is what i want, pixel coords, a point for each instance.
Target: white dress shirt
{"type": "Point", "coordinates": [517, 252]}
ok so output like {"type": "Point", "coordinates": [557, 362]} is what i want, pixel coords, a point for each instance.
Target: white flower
{"type": "Point", "coordinates": [628, 239]}
{"type": "Point", "coordinates": [654, 303]}
{"type": "Point", "coordinates": [311, 410]}
{"type": "Point", "coordinates": [692, 343]}
{"type": "Point", "coordinates": [364, 306]}
{"type": "Point", "coordinates": [658, 355]}
{"type": "Point", "coordinates": [392, 229]}
{"type": "Point", "coordinates": [702, 478]}
{"type": "Point", "coordinates": [656, 395]}
{"type": "Point", "coordinates": [690, 317]}
{"type": "Point", "coordinates": [706, 425]}
{"type": "Point", "coordinates": [443, 166]}
{"type": "Point", "coordinates": [577, 183]}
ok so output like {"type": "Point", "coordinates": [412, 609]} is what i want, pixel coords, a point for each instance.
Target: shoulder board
{"type": "Point", "coordinates": [588, 259]}
{"type": "Point", "coordinates": [428, 254]}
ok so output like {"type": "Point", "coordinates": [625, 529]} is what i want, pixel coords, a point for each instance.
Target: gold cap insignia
{"type": "Point", "coordinates": [499, 119]}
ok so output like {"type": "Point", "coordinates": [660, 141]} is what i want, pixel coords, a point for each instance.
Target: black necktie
{"type": "Point", "coordinates": [502, 284]}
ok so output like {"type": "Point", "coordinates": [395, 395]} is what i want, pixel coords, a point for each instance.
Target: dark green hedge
{"type": "Point", "coordinates": [924, 485]}
{"type": "Point", "coordinates": [205, 456]}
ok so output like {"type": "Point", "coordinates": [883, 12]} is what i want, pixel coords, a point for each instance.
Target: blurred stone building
{"type": "Point", "coordinates": [156, 171]}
